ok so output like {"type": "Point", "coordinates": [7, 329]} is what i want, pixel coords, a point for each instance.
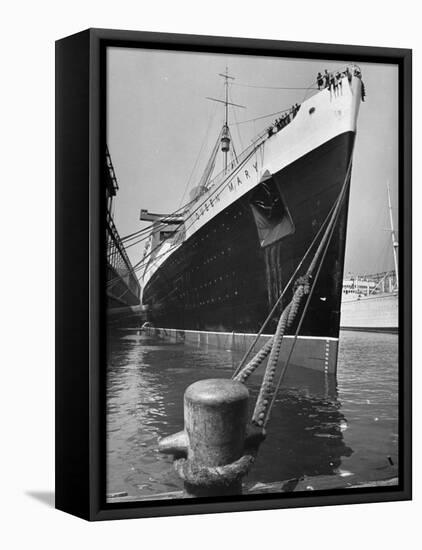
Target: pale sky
{"type": "Point", "coordinates": [159, 121]}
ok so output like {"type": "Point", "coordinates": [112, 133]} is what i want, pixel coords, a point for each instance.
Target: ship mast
{"type": "Point", "coordinates": [393, 237]}
{"type": "Point", "coordinates": [225, 134]}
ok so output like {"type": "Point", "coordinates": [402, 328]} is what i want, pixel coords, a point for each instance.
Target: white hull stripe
{"type": "Point", "coordinates": [326, 338]}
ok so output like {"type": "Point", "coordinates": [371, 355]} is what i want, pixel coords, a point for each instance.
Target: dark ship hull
{"type": "Point", "coordinates": [218, 284]}
{"type": "Point", "coordinates": [222, 279]}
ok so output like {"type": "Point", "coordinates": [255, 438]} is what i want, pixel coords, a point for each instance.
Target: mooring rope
{"type": "Point", "coordinates": [242, 373]}
{"type": "Point", "coordinates": [197, 475]}
{"type": "Point", "coordinates": [256, 361]}
{"type": "Point", "coordinates": [214, 476]}
{"type": "Point", "coordinates": [266, 417]}
{"type": "Point", "coordinates": [272, 347]}
{"type": "Point", "coordinates": [266, 389]}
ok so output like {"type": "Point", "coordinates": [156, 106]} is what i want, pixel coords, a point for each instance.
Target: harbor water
{"type": "Point", "coordinates": [344, 428]}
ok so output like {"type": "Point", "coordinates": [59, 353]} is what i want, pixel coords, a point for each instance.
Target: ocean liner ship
{"type": "Point", "coordinates": [213, 270]}
{"type": "Point", "coordinates": [370, 303]}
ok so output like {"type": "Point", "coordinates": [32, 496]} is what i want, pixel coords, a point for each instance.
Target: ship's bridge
{"type": "Point", "coordinates": [165, 227]}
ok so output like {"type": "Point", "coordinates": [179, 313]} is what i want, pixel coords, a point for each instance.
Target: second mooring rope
{"type": "Point", "coordinates": [208, 477]}
{"type": "Point", "coordinates": [303, 287]}
{"type": "Point", "coordinates": [276, 305]}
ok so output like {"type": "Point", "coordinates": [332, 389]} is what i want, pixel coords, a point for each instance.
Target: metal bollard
{"type": "Point", "coordinates": [215, 414]}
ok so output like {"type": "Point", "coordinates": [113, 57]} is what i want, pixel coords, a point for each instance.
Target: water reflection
{"type": "Point", "coordinates": [319, 426]}
{"type": "Point", "coordinates": [306, 430]}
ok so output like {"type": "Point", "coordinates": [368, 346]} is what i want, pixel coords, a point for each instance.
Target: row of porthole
{"type": "Point", "coordinates": [177, 262]}
{"type": "Point", "coordinates": [209, 283]}
{"type": "Point", "coordinates": [208, 260]}
{"type": "Point", "coordinates": [212, 300]}
{"type": "Point", "coordinates": [236, 293]}
{"type": "Point", "coordinates": [215, 300]}
{"type": "Point", "coordinates": [212, 258]}
{"type": "Point", "coordinates": [202, 239]}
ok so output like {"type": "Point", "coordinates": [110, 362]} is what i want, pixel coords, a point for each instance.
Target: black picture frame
{"type": "Point", "coordinates": [80, 308]}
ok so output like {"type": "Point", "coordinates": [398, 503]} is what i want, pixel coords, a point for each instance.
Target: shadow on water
{"type": "Point", "coordinates": [305, 432]}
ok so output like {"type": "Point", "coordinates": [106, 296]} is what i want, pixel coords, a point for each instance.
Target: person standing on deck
{"type": "Point", "coordinates": [320, 81]}
{"type": "Point", "coordinates": [327, 79]}
{"type": "Point", "coordinates": [339, 81]}
{"type": "Point", "coordinates": [333, 83]}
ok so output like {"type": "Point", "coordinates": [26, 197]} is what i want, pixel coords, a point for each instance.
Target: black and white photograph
{"type": "Point", "coordinates": [252, 279]}
{"type": "Point", "coordinates": [211, 262]}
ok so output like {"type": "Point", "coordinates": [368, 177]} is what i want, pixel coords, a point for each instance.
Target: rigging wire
{"type": "Point", "coordinates": [271, 87]}
{"type": "Point", "coordinates": [307, 89]}
{"type": "Point", "coordinates": [212, 116]}
{"type": "Point", "coordinates": [286, 287]}
{"type": "Point", "coordinates": [210, 121]}
{"type": "Point", "coordinates": [148, 229]}
{"type": "Point", "coordinates": [299, 326]}
{"type": "Point", "coordinates": [181, 207]}
{"type": "Point", "coordinates": [261, 117]}
{"type": "Point", "coordinates": [219, 188]}
{"type": "Point", "coordinates": [136, 234]}
{"type": "Point", "coordinates": [310, 87]}
{"type": "Point", "coordinates": [339, 204]}
{"type": "Point", "coordinates": [236, 123]}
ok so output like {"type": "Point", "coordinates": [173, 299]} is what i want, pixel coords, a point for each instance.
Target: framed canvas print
{"type": "Point", "coordinates": [233, 274]}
